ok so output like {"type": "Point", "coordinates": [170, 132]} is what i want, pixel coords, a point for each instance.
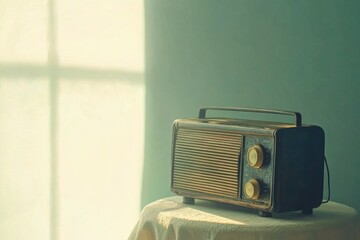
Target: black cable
{"type": "Point", "coordinates": [328, 180]}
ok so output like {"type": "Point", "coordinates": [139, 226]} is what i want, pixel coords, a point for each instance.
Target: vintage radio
{"type": "Point", "coordinates": [269, 166]}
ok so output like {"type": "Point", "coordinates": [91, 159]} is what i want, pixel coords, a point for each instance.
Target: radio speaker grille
{"type": "Point", "coordinates": [207, 161]}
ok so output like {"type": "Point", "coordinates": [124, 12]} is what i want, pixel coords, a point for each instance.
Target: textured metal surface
{"type": "Point", "coordinates": [207, 161]}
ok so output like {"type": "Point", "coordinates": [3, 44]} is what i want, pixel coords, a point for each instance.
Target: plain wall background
{"type": "Point", "coordinates": [294, 55]}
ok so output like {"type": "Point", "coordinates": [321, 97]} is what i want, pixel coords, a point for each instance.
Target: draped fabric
{"type": "Point", "coordinates": [169, 219]}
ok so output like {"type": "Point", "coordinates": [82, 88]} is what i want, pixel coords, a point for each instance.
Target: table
{"type": "Point", "coordinates": [169, 218]}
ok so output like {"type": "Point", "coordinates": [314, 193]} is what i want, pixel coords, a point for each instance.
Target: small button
{"type": "Point", "coordinates": [255, 156]}
{"type": "Point", "coordinates": [252, 189]}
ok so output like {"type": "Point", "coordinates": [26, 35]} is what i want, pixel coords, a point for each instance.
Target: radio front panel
{"type": "Point", "coordinates": [232, 164]}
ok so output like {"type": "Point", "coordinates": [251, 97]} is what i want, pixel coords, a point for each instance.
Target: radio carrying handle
{"type": "Point", "coordinates": [202, 112]}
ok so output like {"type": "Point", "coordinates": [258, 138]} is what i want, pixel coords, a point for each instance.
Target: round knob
{"type": "Point", "coordinates": [255, 156]}
{"type": "Point", "coordinates": [252, 189]}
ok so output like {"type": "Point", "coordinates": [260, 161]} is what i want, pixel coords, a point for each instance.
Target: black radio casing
{"type": "Point", "coordinates": [210, 160]}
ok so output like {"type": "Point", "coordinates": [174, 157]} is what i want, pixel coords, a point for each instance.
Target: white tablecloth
{"type": "Point", "coordinates": [170, 219]}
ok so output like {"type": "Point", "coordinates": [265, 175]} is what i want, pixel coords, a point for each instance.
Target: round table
{"type": "Point", "coordinates": [169, 218]}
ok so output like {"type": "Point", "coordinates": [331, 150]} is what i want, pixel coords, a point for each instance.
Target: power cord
{"type": "Point", "coordinates": [328, 180]}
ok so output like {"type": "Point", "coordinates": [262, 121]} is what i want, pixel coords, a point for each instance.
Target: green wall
{"type": "Point", "coordinates": [294, 55]}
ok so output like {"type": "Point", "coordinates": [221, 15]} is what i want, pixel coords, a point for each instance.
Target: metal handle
{"type": "Point", "coordinates": [202, 112]}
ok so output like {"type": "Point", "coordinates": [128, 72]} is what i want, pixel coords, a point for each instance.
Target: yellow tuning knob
{"type": "Point", "coordinates": [252, 189]}
{"type": "Point", "coordinates": [255, 156]}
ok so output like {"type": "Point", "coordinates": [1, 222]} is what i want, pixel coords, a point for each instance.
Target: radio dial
{"type": "Point", "coordinates": [255, 156]}
{"type": "Point", "coordinates": [252, 189]}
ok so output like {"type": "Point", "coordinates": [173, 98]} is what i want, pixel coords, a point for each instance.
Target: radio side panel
{"type": "Point", "coordinates": [299, 168]}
